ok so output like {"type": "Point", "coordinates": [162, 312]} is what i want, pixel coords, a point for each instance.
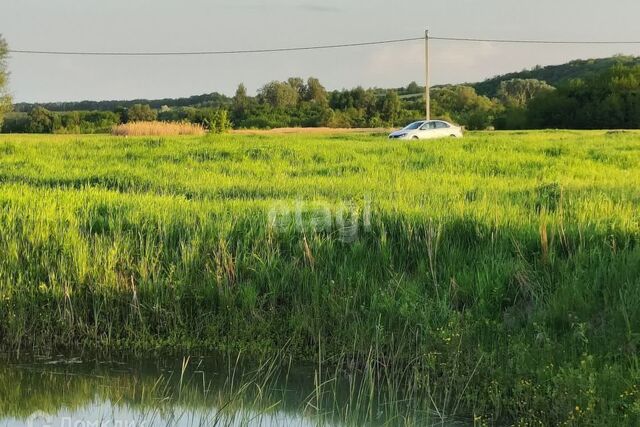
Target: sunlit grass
{"type": "Point", "coordinates": [502, 268]}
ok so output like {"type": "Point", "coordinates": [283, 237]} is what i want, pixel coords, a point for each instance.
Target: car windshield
{"type": "Point", "coordinates": [413, 126]}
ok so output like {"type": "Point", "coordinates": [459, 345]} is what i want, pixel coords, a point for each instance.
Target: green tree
{"type": "Point", "coordinates": [70, 122]}
{"type": "Point", "coordinates": [298, 84]}
{"type": "Point", "coordinates": [315, 92]}
{"type": "Point", "coordinates": [390, 108]}
{"type": "Point", "coordinates": [464, 106]}
{"type": "Point", "coordinates": [610, 99]}
{"type": "Point", "coordinates": [98, 121]}
{"type": "Point", "coordinates": [141, 113]}
{"type": "Point", "coordinates": [518, 92]}
{"type": "Point", "coordinates": [42, 120]}
{"type": "Point", "coordinates": [5, 98]}
{"type": "Point", "coordinates": [241, 105]}
{"type": "Point", "coordinates": [241, 99]}
{"type": "Point", "coordinates": [413, 88]}
{"type": "Point", "coordinates": [279, 94]}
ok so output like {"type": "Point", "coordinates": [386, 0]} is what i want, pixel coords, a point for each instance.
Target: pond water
{"type": "Point", "coordinates": [224, 391]}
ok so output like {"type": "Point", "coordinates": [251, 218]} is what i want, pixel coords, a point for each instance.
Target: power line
{"type": "Point", "coordinates": [217, 52]}
{"type": "Point", "coordinates": [526, 41]}
{"type": "Point", "coordinates": [324, 47]}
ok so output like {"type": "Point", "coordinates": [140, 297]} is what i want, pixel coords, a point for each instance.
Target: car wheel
{"type": "Point", "coordinates": [415, 137]}
{"type": "Point", "coordinates": [453, 136]}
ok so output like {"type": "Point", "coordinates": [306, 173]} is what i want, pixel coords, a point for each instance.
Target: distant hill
{"type": "Point", "coordinates": [552, 74]}
{"type": "Point", "coordinates": [556, 74]}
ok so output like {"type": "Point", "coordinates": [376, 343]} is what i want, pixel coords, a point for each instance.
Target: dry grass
{"type": "Point", "coordinates": [303, 130]}
{"type": "Point", "coordinates": [157, 129]}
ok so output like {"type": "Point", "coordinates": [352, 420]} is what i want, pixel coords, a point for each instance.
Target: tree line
{"type": "Point", "coordinates": [42, 120]}
{"type": "Point", "coordinates": [606, 96]}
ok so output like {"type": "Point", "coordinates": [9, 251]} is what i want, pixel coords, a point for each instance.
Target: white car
{"type": "Point", "coordinates": [428, 130]}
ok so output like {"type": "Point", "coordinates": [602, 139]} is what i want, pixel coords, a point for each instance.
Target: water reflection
{"type": "Point", "coordinates": [223, 391]}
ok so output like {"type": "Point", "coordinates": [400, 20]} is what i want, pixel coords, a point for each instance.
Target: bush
{"type": "Point", "coordinates": [215, 120]}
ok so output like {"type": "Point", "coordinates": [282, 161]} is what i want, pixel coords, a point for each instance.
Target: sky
{"type": "Point", "coordinates": [191, 25]}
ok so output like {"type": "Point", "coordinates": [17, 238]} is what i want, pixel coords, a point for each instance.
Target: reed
{"type": "Point", "coordinates": [223, 390]}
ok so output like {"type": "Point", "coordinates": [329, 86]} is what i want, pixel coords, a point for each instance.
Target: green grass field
{"type": "Point", "coordinates": [500, 273]}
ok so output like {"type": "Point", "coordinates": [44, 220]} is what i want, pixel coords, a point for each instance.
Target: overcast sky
{"type": "Point", "coordinates": [161, 25]}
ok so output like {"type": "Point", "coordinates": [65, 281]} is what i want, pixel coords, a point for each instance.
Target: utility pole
{"type": "Point", "coordinates": [427, 94]}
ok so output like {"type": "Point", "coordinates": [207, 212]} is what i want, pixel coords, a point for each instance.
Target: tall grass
{"type": "Point", "coordinates": [501, 270]}
{"type": "Point", "coordinates": [157, 129]}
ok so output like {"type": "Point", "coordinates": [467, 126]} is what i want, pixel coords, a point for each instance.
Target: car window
{"type": "Point", "coordinates": [428, 125]}
{"type": "Point", "coordinates": [441, 125]}
{"type": "Point", "coordinates": [413, 126]}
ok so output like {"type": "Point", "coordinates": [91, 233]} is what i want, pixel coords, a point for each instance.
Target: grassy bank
{"type": "Point", "coordinates": [502, 269]}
